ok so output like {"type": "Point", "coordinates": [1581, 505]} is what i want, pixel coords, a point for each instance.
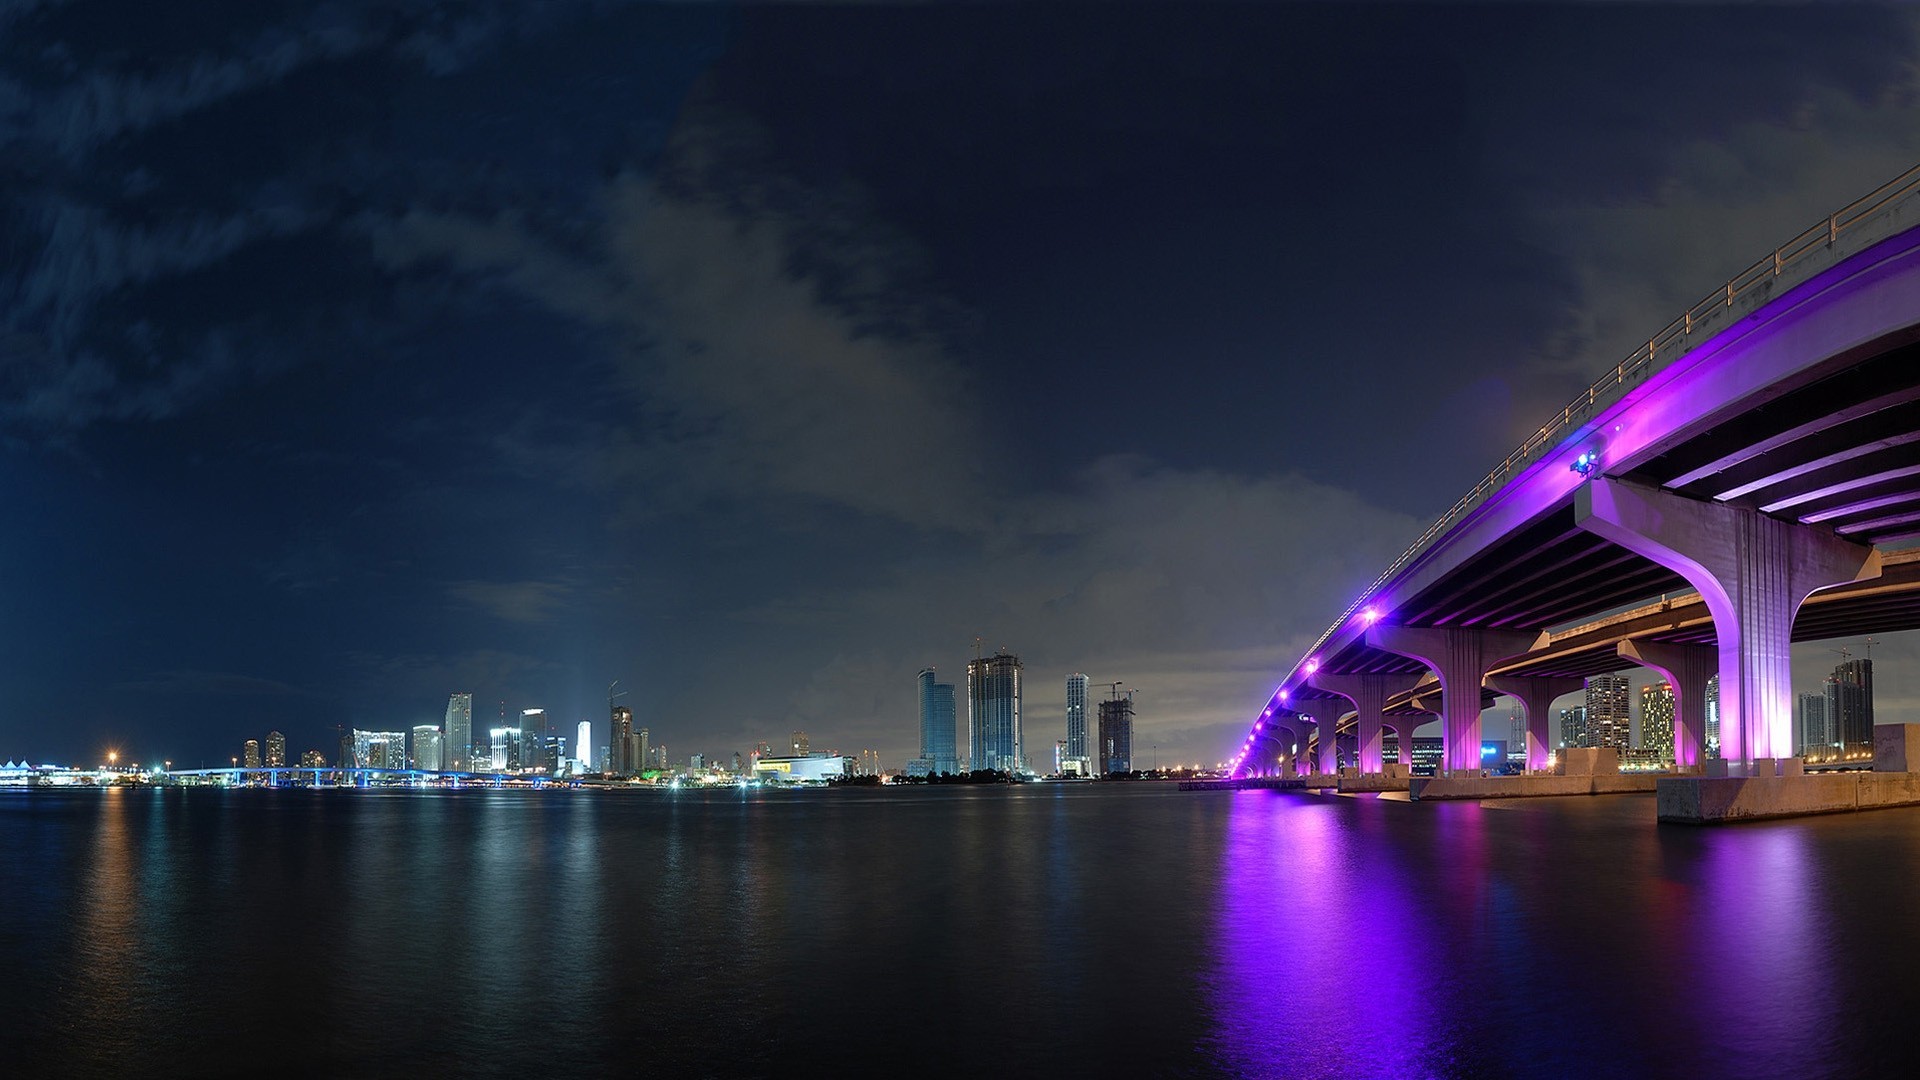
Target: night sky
{"type": "Point", "coordinates": [354, 354]}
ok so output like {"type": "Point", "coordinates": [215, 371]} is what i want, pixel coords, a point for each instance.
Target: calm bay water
{"type": "Point", "coordinates": [1131, 929]}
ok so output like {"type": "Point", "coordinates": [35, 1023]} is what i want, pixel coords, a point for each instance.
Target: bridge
{"type": "Point", "coordinates": [1748, 478]}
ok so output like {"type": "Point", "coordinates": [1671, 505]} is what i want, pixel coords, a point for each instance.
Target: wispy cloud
{"type": "Point", "coordinates": [515, 601]}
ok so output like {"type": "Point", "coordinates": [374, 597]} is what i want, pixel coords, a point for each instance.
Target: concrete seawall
{"type": "Point", "coordinates": [1703, 800]}
{"type": "Point", "coordinates": [1515, 787]}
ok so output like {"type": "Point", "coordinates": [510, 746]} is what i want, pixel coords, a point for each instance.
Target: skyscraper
{"type": "Point", "coordinates": [276, 750]}
{"type": "Point", "coordinates": [993, 712]}
{"type": "Point", "coordinates": [429, 748]}
{"type": "Point", "coordinates": [533, 740]}
{"type": "Point", "coordinates": [1074, 758]}
{"type": "Point", "coordinates": [1573, 727]}
{"type": "Point", "coordinates": [939, 725]}
{"type": "Point", "coordinates": [1609, 712]}
{"type": "Point", "coordinates": [1850, 705]}
{"type": "Point", "coordinates": [801, 746]}
{"type": "Point", "coordinates": [1116, 735]}
{"type": "Point", "coordinates": [583, 745]}
{"type": "Point", "coordinates": [458, 739]}
{"type": "Point", "coordinates": [620, 746]}
{"type": "Point", "coordinates": [1812, 732]}
{"type": "Point", "coordinates": [379, 749]}
{"type": "Point", "coordinates": [250, 755]}
{"type": "Point", "coordinates": [1656, 719]}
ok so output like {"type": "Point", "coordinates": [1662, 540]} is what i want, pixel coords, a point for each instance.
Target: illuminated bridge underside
{"type": "Point", "coordinates": [1804, 407]}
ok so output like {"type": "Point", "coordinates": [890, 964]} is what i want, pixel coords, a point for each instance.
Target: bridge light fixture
{"type": "Point", "coordinates": [1369, 615]}
{"type": "Point", "coordinates": [1585, 463]}
{"type": "Point", "coordinates": [1313, 666]}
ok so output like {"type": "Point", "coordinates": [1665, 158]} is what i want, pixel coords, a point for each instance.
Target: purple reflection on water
{"type": "Point", "coordinates": [1557, 937]}
{"type": "Point", "coordinates": [1303, 901]}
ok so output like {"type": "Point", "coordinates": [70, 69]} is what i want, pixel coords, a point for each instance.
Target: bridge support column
{"type": "Point", "coordinates": [1459, 657]}
{"type": "Point", "coordinates": [1687, 667]}
{"type": "Point", "coordinates": [1403, 739]}
{"type": "Point", "coordinates": [1368, 693]}
{"type": "Point", "coordinates": [1753, 571]}
{"type": "Point", "coordinates": [1325, 714]}
{"type": "Point", "coordinates": [1536, 695]}
{"type": "Point", "coordinates": [1294, 735]}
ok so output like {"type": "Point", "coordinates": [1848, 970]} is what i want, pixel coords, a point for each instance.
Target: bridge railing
{"type": "Point", "coordinates": [1676, 338]}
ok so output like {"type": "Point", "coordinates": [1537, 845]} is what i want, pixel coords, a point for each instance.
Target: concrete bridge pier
{"type": "Point", "coordinates": [1687, 667]}
{"type": "Point", "coordinates": [1753, 572]}
{"type": "Point", "coordinates": [1325, 714]}
{"type": "Point", "coordinates": [1369, 693]}
{"type": "Point", "coordinates": [1459, 657]}
{"type": "Point", "coordinates": [1536, 696]}
{"type": "Point", "coordinates": [1403, 738]}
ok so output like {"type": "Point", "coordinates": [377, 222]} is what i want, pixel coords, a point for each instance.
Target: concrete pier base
{"type": "Point", "coordinates": [1524, 787]}
{"type": "Point", "coordinates": [1707, 800]}
{"type": "Point", "coordinates": [1368, 783]}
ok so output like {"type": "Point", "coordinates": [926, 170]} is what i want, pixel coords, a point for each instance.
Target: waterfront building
{"type": "Point", "coordinates": [508, 751]}
{"type": "Point", "coordinates": [1060, 757]}
{"type": "Point", "coordinates": [993, 712]}
{"type": "Point", "coordinates": [1573, 727]}
{"type": "Point", "coordinates": [276, 750]}
{"type": "Point", "coordinates": [1850, 705]}
{"type": "Point", "coordinates": [457, 744]}
{"type": "Point", "coordinates": [1656, 720]}
{"type": "Point", "coordinates": [379, 749]}
{"type": "Point", "coordinates": [250, 754]}
{"type": "Point", "coordinates": [533, 735]}
{"type": "Point", "coordinates": [1609, 712]}
{"type": "Point", "coordinates": [809, 768]}
{"type": "Point", "coordinates": [1812, 733]}
{"type": "Point", "coordinates": [429, 748]}
{"type": "Point", "coordinates": [939, 725]}
{"type": "Point", "coordinates": [1116, 735]}
{"type": "Point", "coordinates": [583, 745]}
{"type": "Point", "coordinates": [1075, 758]}
{"type": "Point", "coordinates": [801, 747]}
{"type": "Point", "coordinates": [313, 759]}
{"type": "Point", "coordinates": [1427, 753]}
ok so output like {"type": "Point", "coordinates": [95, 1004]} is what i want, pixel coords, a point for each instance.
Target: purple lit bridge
{"type": "Point", "coordinates": [1747, 478]}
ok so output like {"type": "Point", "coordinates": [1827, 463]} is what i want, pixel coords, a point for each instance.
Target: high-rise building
{"type": "Point", "coordinates": [641, 751]}
{"type": "Point", "coordinates": [1850, 705]}
{"type": "Point", "coordinates": [801, 746]}
{"type": "Point", "coordinates": [481, 758]}
{"type": "Point", "coordinates": [429, 748]}
{"type": "Point", "coordinates": [1656, 720]}
{"type": "Point", "coordinates": [1609, 712]}
{"type": "Point", "coordinates": [1116, 735]}
{"type": "Point", "coordinates": [508, 750]}
{"type": "Point", "coordinates": [583, 745]}
{"type": "Point", "coordinates": [276, 750]}
{"type": "Point", "coordinates": [555, 754]}
{"type": "Point", "coordinates": [939, 725]}
{"type": "Point", "coordinates": [1573, 727]}
{"type": "Point", "coordinates": [457, 746]}
{"type": "Point", "coordinates": [313, 759]}
{"type": "Point", "coordinates": [379, 749]}
{"type": "Point", "coordinates": [533, 736]}
{"type": "Point", "coordinates": [993, 712]}
{"type": "Point", "coordinates": [620, 759]}
{"type": "Point", "coordinates": [1710, 730]}
{"type": "Point", "coordinates": [250, 755]}
{"type": "Point", "coordinates": [1812, 731]}
{"type": "Point", "coordinates": [1074, 757]}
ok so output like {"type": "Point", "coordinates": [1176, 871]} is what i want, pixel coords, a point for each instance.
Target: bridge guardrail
{"type": "Point", "coordinates": [1707, 316]}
